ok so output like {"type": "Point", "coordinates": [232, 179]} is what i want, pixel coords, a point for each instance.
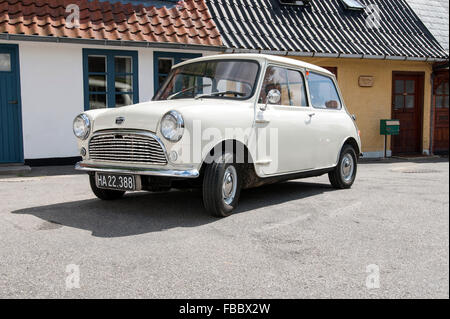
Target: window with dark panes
{"type": "Point", "coordinates": [123, 80]}
{"type": "Point", "coordinates": [404, 94]}
{"type": "Point", "coordinates": [332, 69]}
{"type": "Point", "coordinates": [323, 92]}
{"type": "Point", "coordinates": [97, 82]}
{"type": "Point", "coordinates": [290, 83]}
{"type": "Point", "coordinates": [442, 94]}
{"type": "Point", "coordinates": [163, 63]}
{"type": "Point", "coordinates": [164, 67]}
{"type": "Point", "coordinates": [111, 78]}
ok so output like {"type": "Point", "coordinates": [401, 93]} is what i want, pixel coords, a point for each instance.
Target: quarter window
{"type": "Point", "coordinates": [290, 83]}
{"type": "Point", "coordinates": [297, 90]}
{"type": "Point", "coordinates": [111, 78]}
{"type": "Point", "coordinates": [323, 92]}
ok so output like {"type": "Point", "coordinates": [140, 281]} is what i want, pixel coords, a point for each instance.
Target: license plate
{"type": "Point", "coordinates": [116, 181]}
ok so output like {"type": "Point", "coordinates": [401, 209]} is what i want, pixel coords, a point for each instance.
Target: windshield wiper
{"type": "Point", "coordinates": [188, 89]}
{"type": "Point", "coordinates": [236, 94]}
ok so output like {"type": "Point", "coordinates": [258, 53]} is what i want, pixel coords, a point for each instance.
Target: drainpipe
{"type": "Point", "coordinates": [432, 114]}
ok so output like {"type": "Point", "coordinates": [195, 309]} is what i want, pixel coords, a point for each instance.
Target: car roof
{"type": "Point", "coordinates": [262, 58]}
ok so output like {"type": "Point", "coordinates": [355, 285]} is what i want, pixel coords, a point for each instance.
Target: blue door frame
{"type": "Point", "coordinates": [177, 57]}
{"type": "Point", "coordinates": [11, 136]}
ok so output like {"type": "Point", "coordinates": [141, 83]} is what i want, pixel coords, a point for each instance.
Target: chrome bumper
{"type": "Point", "coordinates": [193, 173]}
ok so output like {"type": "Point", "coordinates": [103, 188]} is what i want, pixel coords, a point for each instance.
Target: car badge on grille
{"type": "Point", "coordinates": [120, 120]}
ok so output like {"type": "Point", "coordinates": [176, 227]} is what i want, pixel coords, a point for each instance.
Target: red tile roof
{"type": "Point", "coordinates": [189, 22]}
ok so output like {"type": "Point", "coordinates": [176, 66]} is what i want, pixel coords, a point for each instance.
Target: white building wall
{"type": "Point", "coordinates": [51, 76]}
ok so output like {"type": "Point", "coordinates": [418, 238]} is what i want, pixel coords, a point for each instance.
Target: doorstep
{"type": "Point", "coordinates": [14, 169]}
{"type": "Point", "coordinates": [416, 157]}
{"type": "Point", "coordinates": [406, 158]}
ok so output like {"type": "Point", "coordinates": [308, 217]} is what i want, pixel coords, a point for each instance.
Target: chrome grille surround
{"type": "Point", "coordinates": [122, 146]}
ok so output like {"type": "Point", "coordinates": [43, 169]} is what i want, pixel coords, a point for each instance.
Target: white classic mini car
{"type": "Point", "coordinates": [223, 123]}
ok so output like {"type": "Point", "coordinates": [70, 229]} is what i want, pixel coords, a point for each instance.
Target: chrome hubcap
{"type": "Point", "coordinates": [229, 185]}
{"type": "Point", "coordinates": [347, 167]}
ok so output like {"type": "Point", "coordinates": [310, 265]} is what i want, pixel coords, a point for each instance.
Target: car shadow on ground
{"type": "Point", "coordinates": [142, 213]}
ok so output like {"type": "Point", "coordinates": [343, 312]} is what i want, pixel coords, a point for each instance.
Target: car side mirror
{"type": "Point", "coordinates": [273, 97]}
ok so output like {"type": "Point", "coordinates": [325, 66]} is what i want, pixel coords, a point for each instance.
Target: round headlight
{"type": "Point", "coordinates": [82, 126]}
{"type": "Point", "coordinates": [172, 126]}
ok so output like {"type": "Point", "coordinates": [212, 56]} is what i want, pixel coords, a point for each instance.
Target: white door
{"type": "Point", "coordinates": [329, 124]}
{"type": "Point", "coordinates": [283, 130]}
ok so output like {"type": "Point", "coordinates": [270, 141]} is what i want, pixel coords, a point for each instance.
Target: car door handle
{"type": "Point", "coordinates": [311, 114]}
{"type": "Point", "coordinates": [13, 102]}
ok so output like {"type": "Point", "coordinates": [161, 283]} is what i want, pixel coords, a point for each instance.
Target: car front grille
{"type": "Point", "coordinates": [124, 147]}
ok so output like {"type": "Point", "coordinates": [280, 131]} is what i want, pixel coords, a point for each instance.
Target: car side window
{"type": "Point", "coordinates": [297, 89]}
{"type": "Point", "coordinates": [290, 83]}
{"type": "Point", "coordinates": [323, 92]}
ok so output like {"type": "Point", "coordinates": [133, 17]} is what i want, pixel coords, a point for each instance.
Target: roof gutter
{"type": "Point", "coordinates": [341, 55]}
{"type": "Point", "coordinates": [139, 44]}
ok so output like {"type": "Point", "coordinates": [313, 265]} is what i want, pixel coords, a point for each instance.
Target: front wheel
{"type": "Point", "coordinates": [104, 194]}
{"type": "Point", "coordinates": [222, 186]}
{"type": "Point", "coordinates": [343, 176]}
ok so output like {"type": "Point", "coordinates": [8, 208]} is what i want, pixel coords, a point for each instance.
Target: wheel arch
{"type": "Point", "coordinates": [246, 158]}
{"type": "Point", "coordinates": [353, 143]}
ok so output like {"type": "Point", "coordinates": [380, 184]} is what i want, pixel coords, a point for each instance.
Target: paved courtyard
{"type": "Point", "coordinates": [300, 239]}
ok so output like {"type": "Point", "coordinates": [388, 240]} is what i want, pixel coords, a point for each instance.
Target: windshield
{"type": "Point", "coordinates": [226, 79]}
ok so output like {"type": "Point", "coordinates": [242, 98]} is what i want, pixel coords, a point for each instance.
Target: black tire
{"type": "Point", "coordinates": [213, 182]}
{"type": "Point", "coordinates": [337, 178]}
{"type": "Point", "coordinates": [104, 194]}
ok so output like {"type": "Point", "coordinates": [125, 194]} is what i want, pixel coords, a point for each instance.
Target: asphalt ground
{"type": "Point", "coordinates": [387, 237]}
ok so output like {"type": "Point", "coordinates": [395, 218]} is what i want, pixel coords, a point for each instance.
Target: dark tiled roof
{"type": "Point", "coordinates": [189, 22]}
{"type": "Point", "coordinates": [434, 14]}
{"type": "Point", "coordinates": [324, 28]}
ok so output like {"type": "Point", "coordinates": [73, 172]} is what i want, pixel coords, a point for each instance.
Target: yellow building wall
{"type": "Point", "coordinates": [372, 104]}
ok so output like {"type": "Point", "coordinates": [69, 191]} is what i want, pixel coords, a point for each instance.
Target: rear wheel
{"type": "Point", "coordinates": [222, 186]}
{"type": "Point", "coordinates": [343, 176]}
{"type": "Point", "coordinates": [104, 194]}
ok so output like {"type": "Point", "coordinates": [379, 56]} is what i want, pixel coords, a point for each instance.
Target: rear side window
{"type": "Point", "coordinates": [323, 92]}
